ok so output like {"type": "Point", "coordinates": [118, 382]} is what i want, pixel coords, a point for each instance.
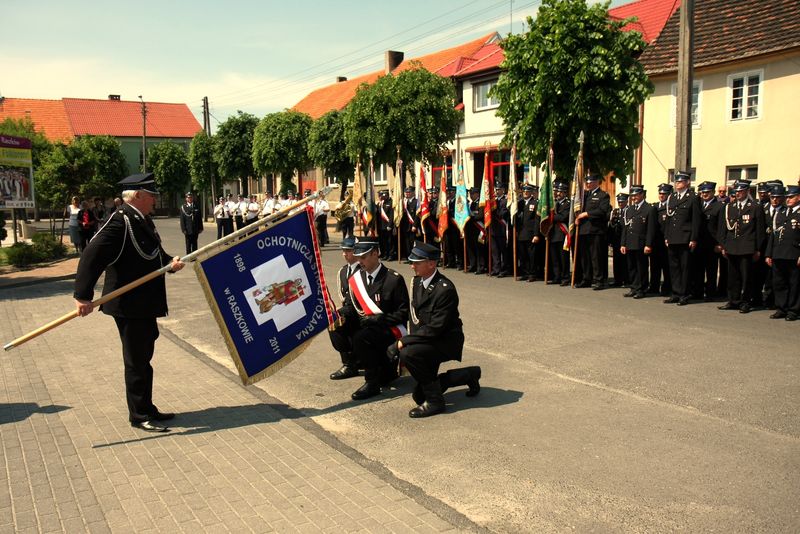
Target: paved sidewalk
{"type": "Point", "coordinates": [235, 460]}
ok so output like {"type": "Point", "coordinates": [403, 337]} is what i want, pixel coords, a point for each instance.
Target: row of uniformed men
{"type": "Point", "coordinates": [737, 247]}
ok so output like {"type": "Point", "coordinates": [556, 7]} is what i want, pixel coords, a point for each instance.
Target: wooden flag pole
{"type": "Point", "coordinates": [575, 253]}
{"type": "Point", "coordinates": [546, 257]}
{"type": "Point", "coordinates": [160, 272]}
{"type": "Point", "coordinates": [514, 248]}
{"type": "Point", "coordinates": [464, 263]}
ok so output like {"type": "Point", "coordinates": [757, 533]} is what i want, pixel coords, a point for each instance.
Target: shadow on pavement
{"type": "Point", "coordinates": [19, 411]}
{"type": "Point", "coordinates": [489, 397]}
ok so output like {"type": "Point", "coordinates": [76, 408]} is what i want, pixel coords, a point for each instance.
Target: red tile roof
{"type": "Point", "coordinates": [337, 95]}
{"type": "Point", "coordinates": [62, 120]}
{"type": "Point", "coordinates": [651, 16]}
{"type": "Point", "coordinates": [48, 116]}
{"type": "Point", "coordinates": [487, 58]}
{"type": "Point", "coordinates": [120, 118]}
{"type": "Point", "coordinates": [726, 31]}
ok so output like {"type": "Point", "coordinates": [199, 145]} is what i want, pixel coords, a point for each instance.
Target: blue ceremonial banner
{"type": "Point", "coordinates": [268, 294]}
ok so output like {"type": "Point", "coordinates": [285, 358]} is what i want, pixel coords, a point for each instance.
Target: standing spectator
{"type": "Point", "coordinates": [241, 212]}
{"type": "Point", "coordinates": [232, 205]}
{"type": "Point", "coordinates": [253, 208]}
{"type": "Point", "coordinates": [74, 226]}
{"type": "Point", "coordinates": [321, 209]}
{"type": "Point", "coordinates": [99, 209]}
{"type": "Point", "coordinates": [592, 229]}
{"type": "Point", "coordinates": [87, 224]}
{"type": "Point", "coordinates": [191, 222]}
{"type": "Point", "coordinates": [223, 217]}
{"type": "Point", "coordinates": [680, 235]}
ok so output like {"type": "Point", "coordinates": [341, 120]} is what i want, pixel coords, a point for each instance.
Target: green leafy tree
{"type": "Point", "coordinates": [170, 164]}
{"type": "Point", "coordinates": [108, 165]}
{"type": "Point", "coordinates": [280, 145]}
{"type": "Point", "coordinates": [234, 147]}
{"type": "Point", "coordinates": [202, 168]}
{"type": "Point", "coordinates": [574, 70]}
{"type": "Point", "coordinates": [413, 110]}
{"type": "Point", "coordinates": [327, 148]}
{"type": "Point", "coordinates": [62, 172]}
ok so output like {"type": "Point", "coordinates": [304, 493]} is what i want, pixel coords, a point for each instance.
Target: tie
{"type": "Point", "coordinates": [369, 279]}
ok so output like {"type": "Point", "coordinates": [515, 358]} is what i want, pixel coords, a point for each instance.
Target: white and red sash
{"type": "Point", "coordinates": [383, 214]}
{"type": "Point", "coordinates": [362, 300]}
{"type": "Point", "coordinates": [408, 214]}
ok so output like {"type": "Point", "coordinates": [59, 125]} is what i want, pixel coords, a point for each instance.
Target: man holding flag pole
{"type": "Point", "coordinates": [576, 206]}
{"type": "Point", "coordinates": [547, 208]}
{"type": "Point", "coordinates": [461, 209]}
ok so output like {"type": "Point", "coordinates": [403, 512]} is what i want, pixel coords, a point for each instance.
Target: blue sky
{"type": "Point", "coordinates": [257, 56]}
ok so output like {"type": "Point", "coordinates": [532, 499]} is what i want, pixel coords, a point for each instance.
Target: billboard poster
{"type": "Point", "coordinates": [16, 173]}
{"type": "Point", "coordinates": [268, 294]}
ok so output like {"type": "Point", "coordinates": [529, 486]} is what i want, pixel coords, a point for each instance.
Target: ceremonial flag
{"type": "Point", "coordinates": [268, 294]}
{"type": "Point", "coordinates": [547, 203]}
{"type": "Point", "coordinates": [513, 200]}
{"type": "Point", "coordinates": [358, 194]}
{"type": "Point", "coordinates": [369, 208]}
{"type": "Point", "coordinates": [462, 200]}
{"type": "Point", "coordinates": [576, 193]}
{"type": "Point", "coordinates": [397, 192]}
{"type": "Point", "coordinates": [487, 194]}
{"type": "Point", "coordinates": [442, 211]}
{"type": "Point", "coordinates": [422, 196]}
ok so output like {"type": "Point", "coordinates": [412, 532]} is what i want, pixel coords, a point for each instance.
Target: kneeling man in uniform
{"type": "Point", "coordinates": [435, 337]}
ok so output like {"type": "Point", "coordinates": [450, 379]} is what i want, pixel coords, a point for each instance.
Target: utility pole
{"type": "Point", "coordinates": [207, 129]}
{"type": "Point", "coordinates": [683, 116]}
{"type": "Point", "coordinates": [144, 135]}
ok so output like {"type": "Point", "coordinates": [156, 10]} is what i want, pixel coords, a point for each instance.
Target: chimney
{"type": "Point", "coordinates": [114, 97]}
{"type": "Point", "coordinates": [340, 79]}
{"type": "Point", "coordinates": [392, 60]}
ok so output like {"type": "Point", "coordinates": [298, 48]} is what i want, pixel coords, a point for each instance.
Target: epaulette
{"type": "Point", "coordinates": [395, 273]}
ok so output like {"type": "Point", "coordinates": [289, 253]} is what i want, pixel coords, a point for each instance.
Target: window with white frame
{"type": "Point", "coordinates": [745, 95]}
{"type": "Point", "coordinates": [482, 99]}
{"type": "Point", "coordinates": [334, 181]}
{"type": "Point", "coordinates": [741, 172]}
{"type": "Point", "coordinates": [697, 92]}
{"type": "Point", "coordinates": [380, 175]}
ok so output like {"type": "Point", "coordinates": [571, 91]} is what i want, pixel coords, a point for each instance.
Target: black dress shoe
{"type": "Point", "coordinates": [163, 416]}
{"type": "Point", "coordinates": [552, 282]}
{"type": "Point", "coordinates": [791, 316]}
{"type": "Point", "coordinates": [502, 275]}
{"type": "Point", "coordinates": [480, 271]}
{"type": "Point", "coordinates": [745, 308]}
{"type": "Point", "coordinates": [343, 372]}
{"type": "Point", "coordinates": [599, 287]}
{"type": "Point", "coordinates": [639, 296]}
{"type": "Point", "coordinates": [366, 391]}
{"type": "Point", "coordinates": [778, 315]}
{"type": "Point", "coordinates": [630, 294]}
{"type": "Point", "coordinates": [671, 300]}
{"type": "Point", "coordinates": [565, 283]}
{"type": "Point", "coordinates": [582, 285]}
{"type": "Point", "coordinates": [149, 426]}
{"type": "Point", "coordinates": [728, 306]}
{"type": "Point", "coordinates": [531, 279]}
{"type": "Point", "coordinates": [683, 302]}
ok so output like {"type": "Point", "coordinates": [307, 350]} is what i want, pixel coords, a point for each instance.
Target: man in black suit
{"type": "Point", "coordinates": [378, 304]}
{"type": "Point", "coordinates": [636, 242]}
{"type": "Point", "coordinates": [708, 249]}
{"type": "Point", "coordinates": [528, 235]}
{"type": "Point", "coordinates": [454, 247]}
{"type": "Point", "coordinates": [386, 230]}
{"type": "Point", "coordinates": [741, 236]}
{"type": "Point", "coordinates": [409, 224]}
{"type": "Point", "coordinates": [475, 234]}
{"type": "Point", "coordinates": [501, 224]}
{"type": "Point", "coordinates": [592, 229]}
{"type": "Point", "coordinates": [191, 222]}
{"type": "Point", "coordinates": [783, 254]}
{"type": "Point", "coordinates": [659, 258]}
{"type": "Point", "coordinates": [128, 247]}
{"type": "Point", "coordinates": [342, 335]}
{"type": "Point", "coordinates": [558, 235]}
{"type": "Point", "coordinates": [436, 336]}
{"type": "Point", "coordinates": [620, 262]}
{"type": "Point", "coordinates": [680, 235]}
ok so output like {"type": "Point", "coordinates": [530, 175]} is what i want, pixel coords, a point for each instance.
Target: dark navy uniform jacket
{"type": "Point", "coordinates": [742, 231]}
{"type": "Point", "coordinates": [638, 227]}
{"type": "Point", "coordinates": [434, 317]}
{"type": "Point", "coordinates": [784, 241]}
{"type": "Point", "coordinates": [598, 205]}
{"type": "Point", "coordinates": [527, 219]}
{"type": "Point", "coordinates": [389, 292]}
{"type": "Point", "coordinates": [683, 219]}
{"type": "Point", "coordinates": [127, 247]}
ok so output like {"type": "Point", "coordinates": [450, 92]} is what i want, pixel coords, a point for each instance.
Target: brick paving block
{"type": "Point", "coordinates": [98, 528]}
{"type": "Point", "coordinates": [181, 514]}
{"type": "Point", "coordinates": [49, 522]}
{"type": "Point", "coordinates": [23, 504]}
{"type": "Point", "coordinates": [25, 519]}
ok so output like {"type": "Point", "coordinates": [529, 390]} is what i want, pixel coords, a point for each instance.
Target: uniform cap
{"type": "Point", "coordinates": [530, 187]}
{"type": "Point", "coordinates": [409, 189]}
{"type": "Point", "coordinates": [593, 178]}
{"type": "Point", "coordinates": [777, 191]}
{"type": "Point", "coordinates": [682, 176]}
{"type": "Point", "coordinates": [348, 243]}
{"type": "Point", "coordinates": [665, 188]}
{"type": "Point", "coordinates": [707, 186]}
{"type": "Point", "coordinates": [741, 185]}
{"type": "Point", "coordinates": [792, 190]}
{"type": "Point", "coordinates": [189, 194]}
{"type": "Point", "coordinates": [474, 190]}
{"type": "Point", "coordinates": [560, 186]}
{"type": "Point", "coordinates": [637, 190]}
{"type": "Point", "coordinates": [139, 182]}
{"type": "Point", "coordinates": [364, 246]}
{"type": "Point", "coordinates": [423, 252]}
{"type": "Point", "coordinates": [622, 196]}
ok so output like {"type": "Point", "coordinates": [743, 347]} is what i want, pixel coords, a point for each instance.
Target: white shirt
{"type": "Point", "coordinates": [269, 207]}
{"type": "Point", "coordinates": [252, 210]}
{"type": "Point", "coordinates": [374, 274]}
{"type": "Point", "coordinates": [321, 207]}
{"type": "Point", "coordinates": [427, 281]}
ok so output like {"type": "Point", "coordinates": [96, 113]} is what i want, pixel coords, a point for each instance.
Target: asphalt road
{"type": "Point", "coordinates": [597, 413]}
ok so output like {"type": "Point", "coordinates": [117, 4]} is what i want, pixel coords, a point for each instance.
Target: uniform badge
{"type": "Point", "coordinates": [746, 218]}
